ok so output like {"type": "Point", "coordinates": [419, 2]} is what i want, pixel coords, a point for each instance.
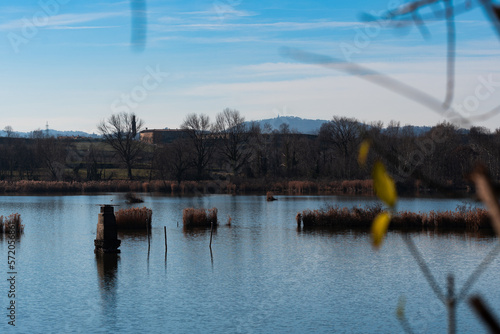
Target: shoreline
{"type": "Point", "coordinates": [260, 186]}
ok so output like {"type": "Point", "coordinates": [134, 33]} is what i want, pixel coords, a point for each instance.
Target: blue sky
{"type": "Point", "coordinates": [70, 63]}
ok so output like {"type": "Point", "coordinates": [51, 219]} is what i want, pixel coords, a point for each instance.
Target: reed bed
{"type": "Point", "coordinates": [193, 218]}
{"type": "Point", "coordinates": [134, 219]}
{"type": "Point", "coordinates": [189, 187]}
{"type": "Point", "coordinates": [11, 224]}
{"type": "Point", "coordinates": [345, 218]}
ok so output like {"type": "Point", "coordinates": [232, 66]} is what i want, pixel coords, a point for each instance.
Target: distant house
{"type": "Point", "coordinates": [162, 136]}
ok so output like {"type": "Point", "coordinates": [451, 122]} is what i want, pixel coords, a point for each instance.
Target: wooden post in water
{"type": "Point", "coordinates": [106, 240]}
{"type": "Point", "coordinates": [165, 232]}
{"type": "Point", "coordinates": [149, 240]}
{"type": "Point", "coordinates": [211, 233]}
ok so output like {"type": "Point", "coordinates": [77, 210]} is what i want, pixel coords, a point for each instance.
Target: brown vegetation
{"type": "Point", "coordinates": [199, 217]}
{"type": "Point", "coordinates": [132, 198]}
{"type": "Point", "coordinates": [11, 222]}
{"type": "Point", "coordinates": [188, 187]}
{"type": "Point", "coordinates": [270, 197]}
{"type": "Point", "coordinates": [345, 218]}
{"type": "Point", "coordinates": [134, 218]}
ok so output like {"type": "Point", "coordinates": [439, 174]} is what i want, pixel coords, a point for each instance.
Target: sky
{"type": "Point", "coordinates": [71, 63]}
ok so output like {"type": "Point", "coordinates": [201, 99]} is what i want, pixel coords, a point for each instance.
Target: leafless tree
{"type": "Point", "coordinates": [199, 129]}
{"type": "Point", "coordinates": [344, 134]}
{"type": "Point", "coordinates": [120, 131]}
{"type": "Point", "coordinates": [51, 153]}
{"type": "Point", "coordinates": [9, 131]}
{"type": "Point", "coordinates": [233, 138]}
{"type": "Point", "coordinates": [174, 160]}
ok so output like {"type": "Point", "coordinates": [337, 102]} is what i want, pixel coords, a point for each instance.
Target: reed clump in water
{"type": "Point", "coordinates": [335, 217]}
{"type": "Point", "coordinates": [132, 198]}
{"type": "Point", "coordinates": [11, 224]}
{"type": "Point", "coordinates": [134, 219]}
{"type": "Point", "coordinates": [199, 217]}
{"type": "Point", "coordinates": [270, 197]}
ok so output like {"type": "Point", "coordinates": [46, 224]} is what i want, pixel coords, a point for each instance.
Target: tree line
{"type": "Point", "coordinates": [228, 148]}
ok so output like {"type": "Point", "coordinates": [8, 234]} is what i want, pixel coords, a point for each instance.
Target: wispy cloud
{"type": "Point", "coordinates": [81, 27]}
{"type": "Point", "coordinates": [62, 20]}
{"type": "Point", "coordinates": [218, 11]}
{"type": "Point", "coordinates": [279, 26]}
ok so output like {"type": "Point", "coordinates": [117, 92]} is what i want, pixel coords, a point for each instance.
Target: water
{"type": "Point", "coordinates": [264, 276]}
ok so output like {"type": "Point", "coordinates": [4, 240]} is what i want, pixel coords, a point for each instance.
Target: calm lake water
{"type": "Point", "coordinates": [264, 276]}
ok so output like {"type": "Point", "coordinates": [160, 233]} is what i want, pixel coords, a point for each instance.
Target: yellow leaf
{"type": "Point", "coordinates": [384, 185]}
{"type": "Point", "coordinates": [364, 148]}
{"type": "Point", "coordinates": [379, 228]}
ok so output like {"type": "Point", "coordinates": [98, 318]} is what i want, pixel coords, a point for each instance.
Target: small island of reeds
{"type": "Point", "coordinates": [11, 224]}
{"type": "Point", "coordinates": [199, 218]}
{"type": "Point", "coordinates": [134, 219]}
{"type": "Point", "coordinates": [361, 218]}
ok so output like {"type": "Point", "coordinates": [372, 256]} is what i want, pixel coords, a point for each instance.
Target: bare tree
{"type": "Point", "coordinates": [120, 131]}
{"type": "Point", "coordinates": [232, 130]}
{"type": "Point", "coordinates": [174, 160]}
{"type": "Point", "coordinates": [51, 154]}
{"type": "Point", "coordinates": [199, 129]}
{"type": "Point", "coordinates": [344, 134]}
{"type": "Point", "coordinates": [9, 131]}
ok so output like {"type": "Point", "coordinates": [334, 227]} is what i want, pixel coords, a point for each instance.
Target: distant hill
{"type": "Point", "coordinates": [53, 133]}
{"type": "Point", "coordinates": [302, 125]}
{"type": "Point", "coordinates": [312, 126]}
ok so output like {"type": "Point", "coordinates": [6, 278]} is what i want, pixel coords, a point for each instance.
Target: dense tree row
{"type": "Point", "coordinates": [229, 148]}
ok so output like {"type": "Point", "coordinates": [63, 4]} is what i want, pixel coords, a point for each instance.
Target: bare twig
{"type": "Point", "coordinates": [478, 271]}
{"type": "Point", "coordinates": [423, 266]}
{"type": "Point", "coordinates": [484, 313]}
{"type": "Point", "coordinates": [450, 59]}
{"type": "Point", "coordinates": [379, 79]}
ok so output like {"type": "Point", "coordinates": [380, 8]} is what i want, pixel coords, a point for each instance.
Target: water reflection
{"type": "Point", "coordinates": [107, 270]}
{"type": "Point", "coordinates": [196, 232]}
{"type": "Point", "coordinates": [134, 235]}
{"type": "Point", "coordinates": [482, 234]}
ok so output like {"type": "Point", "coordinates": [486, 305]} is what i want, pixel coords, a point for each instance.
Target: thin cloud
{"type": "Point", "coordinates": [81, 27]}
{"type": "Point", "coordinates": [282, 26]}
{"type": "Point", "coordinates": [61, 20]}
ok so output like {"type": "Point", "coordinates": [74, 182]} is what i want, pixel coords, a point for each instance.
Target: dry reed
{"type": "Point", "coordinates": [12, 222]}
{"type": "Point", "coordinates": [131, 198]}
{"type": "Point", "coordinates": [270, 197]}
{"type": "Point", "coordinates": [335, 217]}
{"type": "Point", "coordinates": [199, 217]}
{"type": "Point", "coordinates": [134, 218]}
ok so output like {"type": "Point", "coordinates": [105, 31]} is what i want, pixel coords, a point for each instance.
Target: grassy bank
{"type": "Point", "coordinates": [357, 218]}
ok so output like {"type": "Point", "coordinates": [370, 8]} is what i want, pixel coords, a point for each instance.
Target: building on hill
{"type": "Point", "coordinates": [162, 136]}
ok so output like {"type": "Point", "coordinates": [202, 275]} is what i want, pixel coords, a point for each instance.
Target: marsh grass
{"type": "Point", "coordinates": [134, 219]}
{"type": "Point", "coordinates": [189, 187]}
{"type": "Point", "coordinates": [12, 221]}
{"type": "Point", "coordinates": [132, 198]}
{"type": "Point", "coordinates": [270, 197]}
{"type": "Point", "coordinates": [194, 218]}
{"type": "Point", "coordinates": [335, 217]}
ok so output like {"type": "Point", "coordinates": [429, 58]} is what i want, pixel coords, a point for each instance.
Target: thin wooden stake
{"type": "Point", "coordinates": [211, 232]}
{"type": "Point", "coordinates": [165, 230]}
{"type": "Point", "coordinates": [149, 240]}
